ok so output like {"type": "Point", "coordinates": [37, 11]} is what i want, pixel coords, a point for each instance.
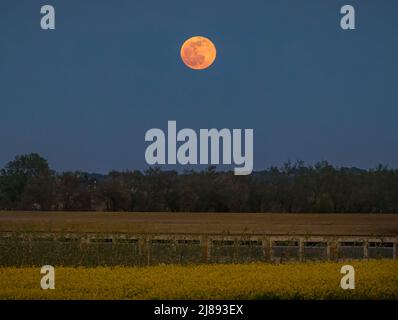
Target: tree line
{"type": "Point", "coordinates": [28, 183]}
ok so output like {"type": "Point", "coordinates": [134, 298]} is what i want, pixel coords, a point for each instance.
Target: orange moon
{"type": "Point", "coordinates": [198, 53]}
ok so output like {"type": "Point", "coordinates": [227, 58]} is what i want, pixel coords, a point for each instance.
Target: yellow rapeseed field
{"type": "Point", "coordinates": [374, 280]}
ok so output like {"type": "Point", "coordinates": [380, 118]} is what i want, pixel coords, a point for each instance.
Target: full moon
{"type": "Point", "coordinates": [198, 53]}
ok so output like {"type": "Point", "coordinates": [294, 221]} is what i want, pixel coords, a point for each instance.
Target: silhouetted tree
{"type": "Point", "coordinates": [27, 183]}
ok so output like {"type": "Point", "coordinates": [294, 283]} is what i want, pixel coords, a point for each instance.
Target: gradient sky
{"type": "Point", "coordinates": [84, 95]}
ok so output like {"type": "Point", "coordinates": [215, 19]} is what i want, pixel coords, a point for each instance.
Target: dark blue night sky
{"type": "Point", "coordinates": [84, 95]}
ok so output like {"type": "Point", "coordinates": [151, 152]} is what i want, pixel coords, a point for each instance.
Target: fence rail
{"type": "Point", "coordinates": [90, 249]}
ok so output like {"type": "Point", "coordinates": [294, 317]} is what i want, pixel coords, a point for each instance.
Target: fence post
{"type": "Point", "coordinates": [366, 250]}
{"type": "Point", "coordinates": [205, 249]}
{"type": "Point", "coordinates": [332, 249]}
{"type": "Point", "coordinates": [301, 249]}
{"type": "Point", "coordinates": [145, 248]}
{"type": "Point", "coordinates": [267, 249]}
